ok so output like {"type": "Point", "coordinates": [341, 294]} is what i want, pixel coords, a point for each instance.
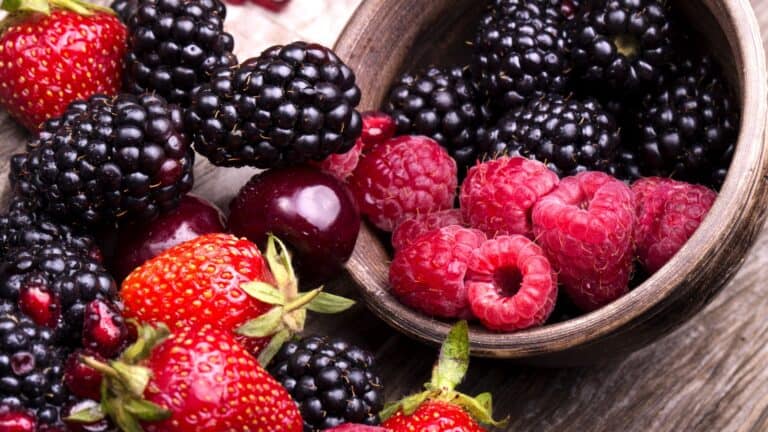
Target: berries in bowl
{"type": "Point", "coordinates": [618, 177]}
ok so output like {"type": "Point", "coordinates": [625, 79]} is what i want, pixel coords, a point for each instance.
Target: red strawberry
{"type": "Point", "coordinates": [49, 58]}
{"type": "Point", "coordinates": [221, 280]}
{"type": "Point", "coordinates": [440, 408]}
{"type": "Point", "coordinates": [198, 379]}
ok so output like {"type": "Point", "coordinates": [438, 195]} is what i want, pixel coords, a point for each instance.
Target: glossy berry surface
{"type": "Point", "coordinates": [332, 381]}
{"type": "Point", "coordinates": [443, 104]}
{"type": "Point", "coordinates": [409, 230]}
{"type": "Point", "coordinates": [202, 279]}
{"type": "Point", "coordinates": [567, 134]}
{"type": "Point", "coordinates": [498, 195]}
{"type": "Point", "coordinates": [139, 242]}
{"type": "Point", "coordinates": [623, 44]}
{"type": "Point", "coordinates": [104, 329]}
{"type": "Point", "coordinates": [16, 421]}
{"type": "Point", "coordinates": [293, 104]}
{"type": "Point", "coordinates": [668, 213]}
{"type": "Point", "coordinates": [510, 284]}
{"type": "Point", "coordinates": [520, 50]}
{"type": "Point", "coordinates": [429, 275]}
{"type": "Point", "coordinates": [586, 228]}
{"type": "Point", "coordinates": [433, 416]}
{"type": "Point", "coordinates": [53, 284]}
{"type": "Point", "coordinates": [209, 382]}
{"type": "Point", "coordinates": [314, 213]}
{"type": "Point", "coordinates": [108, 158]}
{"type": "Point", "coordinates": [403, 177]}
{"type": "Point", "coordinates": [175, 46]}
{"type": "Point", "coordinates": [82, 380]}
{"type": "Point", "coordinates": [49, 61]}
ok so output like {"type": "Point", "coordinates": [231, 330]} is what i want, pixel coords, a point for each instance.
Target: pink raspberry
{"type": "Point", "coordinates": [497, 196]}
{"type": "Point", "coordinates": [586, 227]}
{"type": "Point", "coordinates": [429, 274]}
{"type": "Point", "coordinates": [668, 213]}
{"type": "Point", "coordinates": [377, 128]}
{"type": "Point", "coordinates": [511, 285]}
{"type": "Point", "coordinates": [412, 228]}
{"type": "Point", "coordinates": [403, 177]}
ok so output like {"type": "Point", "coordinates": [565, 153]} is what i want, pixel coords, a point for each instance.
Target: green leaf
{"type": "Point", "coordinates": [479, 408]}
{"type": "Point", "coordinates": [485, 400]}
{"type": "Point", "coordinates": [303, 300]}
{"type": "Point", "coordinates": [408, 405]}
{"type": "Point", "coordinates": [326, 303]}
{"type": "Point", "coordinates": [265, 325]}
{"type": "Point", "coordinates": [40, 6]}
{"type": "Point", "coordinates": [146, 411]}
{"type": "Point", "coordinates": [87, 415]}
{"type": "Point", "coordinates": [134, 378]}
{"type": "Point", "coordinates": [279, 260]}
{"type": "Point", "coordinates": [126, 422]}
{"type": "Point", "coordinates": [264, 292]}
{"type": "Point", "coordinates": [149, 338]}
{"type": "Point", "coordinates": [274, 345]}
{"type": "Point", "coordinates": [453, 362]}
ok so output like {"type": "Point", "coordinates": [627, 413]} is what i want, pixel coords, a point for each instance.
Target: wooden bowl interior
{"type": "Point", "coordinates": [437, 35]}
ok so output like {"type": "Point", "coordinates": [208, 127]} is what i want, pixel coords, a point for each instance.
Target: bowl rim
{"type": "Point", "coordinates": [739, 196]}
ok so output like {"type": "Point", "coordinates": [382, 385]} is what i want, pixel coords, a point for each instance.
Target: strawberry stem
{"type": "Point", "coordinates": [45, 6]}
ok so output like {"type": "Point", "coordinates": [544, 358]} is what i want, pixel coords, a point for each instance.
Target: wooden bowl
{"type": "Point", "coordinates": [386, 37]}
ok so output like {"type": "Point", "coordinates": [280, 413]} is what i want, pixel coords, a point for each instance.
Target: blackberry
{"type": "Point", "coordinates": [106, 159]}
{"type": "Point", "coordinates": [174, 46]}
{"type": "Point", "coordinates": [687, 128]}
{"type": "Point", "coordinates": [24, 226]}
{"type": "Point", "coordinates": [444, 104]}
{"type": "Point", "coordinates": [53, 283]}
{"type": "Point", "coordinates": [31, 370]}
{"type": "Point", "coordinates": [621, 43]}
{"type": "Point", "coordinates": [568, 135]}
{"type": "Point", "coordinates": [125, 9]}
{"type": "Point", "coordinates": [292, 104]}
{"type": "Point", "coordinates": [520, 49]}
{"type": "Point", "coordinates": [332, 381]}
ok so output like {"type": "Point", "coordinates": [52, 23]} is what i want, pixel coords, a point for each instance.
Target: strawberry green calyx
{"type": "Point", "coordinates": [447, 374]}
{"type": "Point", "coordinates": [122, 389]}
{"type": "Point", "coordinates": [44, 6]}
{"type": "Point", "coordinates": [289, 314]}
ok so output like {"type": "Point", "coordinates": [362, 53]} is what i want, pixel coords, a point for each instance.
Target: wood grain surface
{"type": "Point", "coordinates": [710, 375]}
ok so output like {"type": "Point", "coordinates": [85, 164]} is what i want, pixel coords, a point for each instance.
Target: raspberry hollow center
{"type": "Point", "coordinates": [508, 280]}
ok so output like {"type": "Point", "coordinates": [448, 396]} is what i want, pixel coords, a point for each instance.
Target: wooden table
{"type": "Point", "coordinates": [710, 375]}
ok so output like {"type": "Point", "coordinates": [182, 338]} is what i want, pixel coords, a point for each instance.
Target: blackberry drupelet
{"type": "Point", "coordinates": [31, 370]}
{"type": "Point", "coordinates": [125, 9]}
{"type": "Point", "coordinates": [292, 104]}
{"type": "Point", "coordinates": [568, 135]}
{"type": "Point", "coordinates": [332, 381]}
{"type": "Point", "coordinates": [621, 43]}
{"type": "Point", "coordinates": [24, 226]}
{"type": "Point", "coordinates": [53, 283]}
{"type": "Point", "coordinates": [443, 104]}
{"type": "Point", "coordinates": [520, 49]}
{"type": "Point", "coordinates": [688, 127]}
{"type": "Point", "coordinates": [175, 45]}
{"type": "Point", "coordinates": [110, 158]}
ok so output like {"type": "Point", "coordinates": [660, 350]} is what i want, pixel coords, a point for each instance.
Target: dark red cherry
{"type": "Point", "coordinates": [82, 380]}
{"type": "Point", "coordinates": [312, 212]}
{"type": "Point", "coordinates": [104, 329]}
{"type": "Point", "coordinates": [137, 243]}
{"type": "Point", "coordinates": [377, 128]}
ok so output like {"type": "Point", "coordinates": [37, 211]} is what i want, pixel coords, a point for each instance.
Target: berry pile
{"type": "Point", "coordinates": [617, 86]}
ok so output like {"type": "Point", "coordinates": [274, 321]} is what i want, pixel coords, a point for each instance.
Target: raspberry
{"type": "Point", "coordinates": [585, 226]}
{"type": "Point", "coordinates": [429, 274]}
{"type": "Point", "coordinates": [497, 196]}
{"type": "Point", "coordinates": [668, 213]}
{"type": "Point", "coordinates": [411, 229]}
{"type": "Point", "coordinates": [377, 128]}
{"type": "Point", "coordinates": [403, 177]}
{"type": "Point", "coordinates": [511, 285]}
{"type": "Point", "coordinates": [342, 165]}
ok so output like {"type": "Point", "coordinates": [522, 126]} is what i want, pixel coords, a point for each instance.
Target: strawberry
{"type": "Point", "coordinates": [223, 280]}
{"type": "Point", "coordinates": [197, 379]}
{"type": "Point", "coordinates": [440, 408]}
{"type": "Point", "coordinates": [53, 54]}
